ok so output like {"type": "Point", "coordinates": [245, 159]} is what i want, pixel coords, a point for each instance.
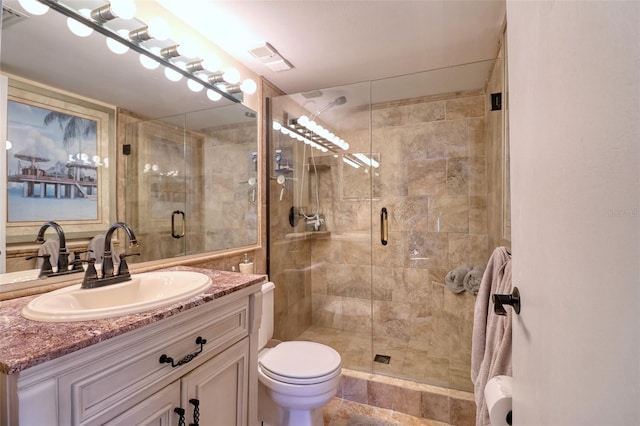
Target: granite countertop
{"type": "Point", "coordinates": [25, 343]}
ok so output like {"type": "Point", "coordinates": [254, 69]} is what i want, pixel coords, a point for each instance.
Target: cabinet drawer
{"type": "Point", "coordinates": [105, 385]}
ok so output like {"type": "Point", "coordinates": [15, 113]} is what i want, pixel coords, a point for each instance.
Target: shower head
{"type": "Point", "coordinates": [340, 100]}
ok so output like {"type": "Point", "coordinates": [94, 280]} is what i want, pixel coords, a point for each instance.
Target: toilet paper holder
{"type": "Point", "coordinates": [513, 299]}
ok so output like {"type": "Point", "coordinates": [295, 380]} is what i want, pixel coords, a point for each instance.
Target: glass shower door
{"type": "Point", "coordinates": [157, 186]}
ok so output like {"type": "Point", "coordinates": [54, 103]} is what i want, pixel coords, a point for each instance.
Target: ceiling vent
{"type": "Point", "coordinates": [269, 56]}
{"type": "Point", "coordinates": [11, 17]}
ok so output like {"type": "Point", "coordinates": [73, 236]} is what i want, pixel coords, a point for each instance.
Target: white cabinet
{"type": "Point", "coordinates": [158, 410]}
{"type": "Point", "coordinates": [213, 394]}
{"type": "Point", "coordinates": [208, 353]}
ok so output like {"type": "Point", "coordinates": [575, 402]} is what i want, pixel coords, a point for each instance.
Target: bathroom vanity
{"type": "Point", "coordinates": [186, 363]}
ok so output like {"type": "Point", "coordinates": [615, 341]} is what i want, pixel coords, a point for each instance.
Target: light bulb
{"type": "Point", "coordinates": [276, 125]}
{"type": "Point", "coordinates": [115, 46]}
{"type": "Point", "coordinates": [158, 29]}
{"type": "Point", "coordinates": [34, 7]}
{"type": "Point", "coordinates": [172, 75]}
{"type": "Point", "coordinates": [211, 63]}
{"type": "Point", "coordinates": [231, 75]}
{"type": "Point", "coordinates": [124, 9]}
{"type": "Point", "coordinates": [149, 63]}
{"type": "Point", "coordinates": [188, 49]}
{"type": "Point", "coordinates": [78, 28]}
{"type": "Point", "coordinates": [249, 86]}
{"type": "Point", "coordinates": [194, 86]}
{"type": "Point", "coordinates": [303, 120]}
{"type": "Point", "coordinates": [9, 145]}
{"type": "Point", "coordinates": [213, 95]}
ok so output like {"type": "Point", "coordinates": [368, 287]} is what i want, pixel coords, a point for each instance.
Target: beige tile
{"type": "Point", "coordinates": [449, 214]}
{"type": "Point", "coordinates": [436, 407]}
{"type": "Point", "coordinates": [458, 176]}
{"type": "Point", "coordinates": [427, 177]}
{"type": "Point", "coordinates": [472, 106]}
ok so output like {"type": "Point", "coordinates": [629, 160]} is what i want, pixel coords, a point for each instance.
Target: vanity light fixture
{"type": "Point", "coordinates": [214, 96]}
{"type": "Point", "coordinates": [351, 163]}
{"type": "Point", "coordinates": [294, 134]}
{"type": "Point", "coordinates": [117, 47]}
{"type": "Point", "coordinates": [248, 86]}
{"type": "Point", "coordinates": [366, 160]}
{"type": "Point", "coordinates": [77, 27]}
{"type": "Point", "coordinates": [34, 7]}
{"type": "Point", "coordinates": [149, 62]}
{"type": "Point", "coordinates": [185, 49]}
{"type": "Point", "coordinates": [172, 74]}
{"type": "Point", "coordinates": [124, 9]}
{"type": "Point", "coordinates": [156, 29]}
{"type": "Point", "coordinates": [83, 25]}
{"type": "Point", "coordinates": [311, 129]}
{"type": "Point", "coordinates": [194, 86]}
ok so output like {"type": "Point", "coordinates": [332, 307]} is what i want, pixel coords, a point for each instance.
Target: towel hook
{"type": "Point", "coordinates": [512, 299]}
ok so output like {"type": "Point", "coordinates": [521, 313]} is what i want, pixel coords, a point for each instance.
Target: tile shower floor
{"type": "Point", "coordinates": [405, 362]}
{"type": "Point", "coordinates": [342, 412]}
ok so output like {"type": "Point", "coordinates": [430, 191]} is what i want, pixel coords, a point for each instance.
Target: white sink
{"type": "Point", "coordinates": [145, 291]}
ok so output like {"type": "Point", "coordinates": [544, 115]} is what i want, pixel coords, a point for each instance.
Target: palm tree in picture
{"type": "Point", "coordinates": [74, 129]}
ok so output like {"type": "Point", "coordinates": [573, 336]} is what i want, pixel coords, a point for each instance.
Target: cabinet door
{"type": "Point", "coordinates": [221, 388]}
{"type": "Point", "coordinates": [154, 411]}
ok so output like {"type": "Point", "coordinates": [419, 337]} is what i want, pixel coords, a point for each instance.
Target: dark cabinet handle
{"type": "Point", "coordinates": [513, 299]}
{"type": "Point", "coordinates": [196, 412]}
{"type": "Point", "coordinates": [180, 412]}
{"type": "Point", "coordinates": [165, 359]}
{"type": "Point", "coordinates": [173, 224]}
{"type": "Point", "coordinates": [384, 226]}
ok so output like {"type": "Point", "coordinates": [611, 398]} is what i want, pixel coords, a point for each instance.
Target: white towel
{"type": "Point", "coordinates": [454, 279]}
{"type": "Point", "coordinates": [473, 279]}
{"type": "Point", "coordinates": [96, 245]}
{"type": "Point", "coordinates": [491, 338]}
{"type": "Point", "coordinates": [50, 247]}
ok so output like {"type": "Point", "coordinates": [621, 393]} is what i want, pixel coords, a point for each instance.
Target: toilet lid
{"type": "Point", "coordinates": [301, 362]}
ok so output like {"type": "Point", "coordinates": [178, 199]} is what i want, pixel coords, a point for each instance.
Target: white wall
{"type": "Point", "coordinates": [574, 81]}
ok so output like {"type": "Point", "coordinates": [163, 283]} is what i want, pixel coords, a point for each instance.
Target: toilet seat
{"type": "Point", "coordinates": [301, 363]}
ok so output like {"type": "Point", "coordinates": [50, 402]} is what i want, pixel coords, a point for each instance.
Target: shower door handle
{"type": "Point", "coordinates": [173, 224]}
{"type": "Point", "coordinates": [384, 226]}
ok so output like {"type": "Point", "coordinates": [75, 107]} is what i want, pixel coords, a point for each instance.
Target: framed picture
{"type": "Point", "coordinates": [57, 164]}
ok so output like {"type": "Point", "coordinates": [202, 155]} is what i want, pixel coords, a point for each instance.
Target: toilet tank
{"type": "Point", "coordinates": [266, 320]}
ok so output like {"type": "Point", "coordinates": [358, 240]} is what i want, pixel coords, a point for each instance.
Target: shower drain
{"type": "Point", "coordinates": [382, 359]}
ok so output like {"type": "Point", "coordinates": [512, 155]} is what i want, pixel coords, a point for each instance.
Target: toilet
{"type": "Point", "coordinates": [297, 378]}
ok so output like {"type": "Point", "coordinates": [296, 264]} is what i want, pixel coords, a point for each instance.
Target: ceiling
{"type": "Point", "coordinates": [329, 43]}
{"type": "Point", "coordinates": [332, 43]}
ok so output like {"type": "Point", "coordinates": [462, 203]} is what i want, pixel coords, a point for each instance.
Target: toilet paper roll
{"type": "Point", "coordinates": [246, 268]}
{"type": "Point", "coordinates": [498, 395]}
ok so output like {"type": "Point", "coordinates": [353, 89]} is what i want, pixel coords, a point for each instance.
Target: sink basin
{"type": "Point", "coordinates": [144, 291]}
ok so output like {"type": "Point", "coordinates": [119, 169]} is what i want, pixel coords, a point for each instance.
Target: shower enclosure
{"type": "Point", "coordinates": [376, 190]}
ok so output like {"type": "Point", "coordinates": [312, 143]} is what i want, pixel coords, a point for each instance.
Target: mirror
{"type": "Point", "coordinates": [50, 68]}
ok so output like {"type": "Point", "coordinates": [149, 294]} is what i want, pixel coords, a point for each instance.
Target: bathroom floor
{"type": "Point", "coordinates": [342, 412]}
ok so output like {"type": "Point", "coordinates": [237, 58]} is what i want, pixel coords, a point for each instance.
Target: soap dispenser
{"type": "Point", "coordinates": [246, 266]}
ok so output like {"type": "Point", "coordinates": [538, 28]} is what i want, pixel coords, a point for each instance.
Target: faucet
{"type": "Point", "coordinates": [107, 262]}
{"type": "Point", "coordinates": [91, 279]}
{"type": "Point", "coordinates": [63, 255]}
